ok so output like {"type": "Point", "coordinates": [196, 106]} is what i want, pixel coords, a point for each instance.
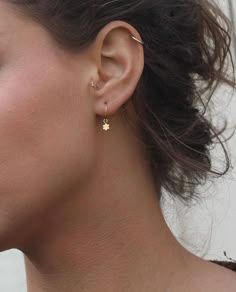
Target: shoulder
{"type": "Point", "coordinates": [196, 274]}
{"type": "Point", "coordinates": [207, 276]}
{"type": "Point", "coordinates": [220, 278]}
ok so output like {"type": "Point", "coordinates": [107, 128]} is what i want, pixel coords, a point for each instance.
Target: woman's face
{"type": "Point", "coordinates": [46, 123]}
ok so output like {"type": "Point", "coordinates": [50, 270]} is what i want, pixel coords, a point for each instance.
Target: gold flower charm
{"type": "Point", "coordinates": [106, 126]}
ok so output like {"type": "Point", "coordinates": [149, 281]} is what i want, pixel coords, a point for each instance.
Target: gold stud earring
{"type": "Point", "coordinates": [92, 83]}
{"type": "Point", "coordinates": [106, 126]}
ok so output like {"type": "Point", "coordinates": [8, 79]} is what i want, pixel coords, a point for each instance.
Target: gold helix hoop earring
{"type": "Point", "coordinates": [106, 126]}
{"type": "Point", "coordinates": [137, 40]}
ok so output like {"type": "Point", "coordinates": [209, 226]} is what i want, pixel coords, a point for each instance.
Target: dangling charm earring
{"type": "Point", "coordinates": [106, 126]}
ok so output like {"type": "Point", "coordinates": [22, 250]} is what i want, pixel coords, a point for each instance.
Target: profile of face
{"type": "Point", "coordinates": [45, 124]}
{"type": "Point", "coordinates": [47, 120]}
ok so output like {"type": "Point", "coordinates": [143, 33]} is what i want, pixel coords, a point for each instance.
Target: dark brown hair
{"type": "Point", "coordinates": [187, 55]}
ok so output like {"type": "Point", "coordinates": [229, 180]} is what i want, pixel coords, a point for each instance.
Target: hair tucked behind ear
{"type": "Point", "coordinates": [187, 54]}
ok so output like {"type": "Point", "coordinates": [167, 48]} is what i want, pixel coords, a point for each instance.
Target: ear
{"type": "Point", "coordinates": [119, 62]}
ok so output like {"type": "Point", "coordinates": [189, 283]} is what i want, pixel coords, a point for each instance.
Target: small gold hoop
{"type": "Point", "coordinates": [137, 40]}
{"type": "Point", "coordinates": [106, 125]}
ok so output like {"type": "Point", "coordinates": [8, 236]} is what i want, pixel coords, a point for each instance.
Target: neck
{"type": "Point", "coordinates": [106, 254]}
{"type": "Point", "coordinates": [108, 236]}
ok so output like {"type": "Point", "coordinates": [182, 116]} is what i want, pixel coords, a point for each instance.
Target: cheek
{"type": "Point", "coordinates": [46, 134]}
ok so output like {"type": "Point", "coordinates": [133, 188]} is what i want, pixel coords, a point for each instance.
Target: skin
{"type": "Point", "coordinates": [78, 201]}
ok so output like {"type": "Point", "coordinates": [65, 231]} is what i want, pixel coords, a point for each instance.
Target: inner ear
{"type": "Point", "coordinates": [115, 52]}
{"type": "Point", "coordinates": [111, 65]}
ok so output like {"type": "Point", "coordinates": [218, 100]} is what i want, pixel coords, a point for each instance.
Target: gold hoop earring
{"type": "Point", "coordinates": [137, 40]}
{"type": "Point", "coordinates": [106, 126]}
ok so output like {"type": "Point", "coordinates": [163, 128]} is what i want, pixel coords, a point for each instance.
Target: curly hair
{"type": "Point", "coordinates": [187, 56]}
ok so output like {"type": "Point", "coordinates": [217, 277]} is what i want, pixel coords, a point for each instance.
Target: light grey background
{"type": "Point", "coordinates": [206, 230]}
